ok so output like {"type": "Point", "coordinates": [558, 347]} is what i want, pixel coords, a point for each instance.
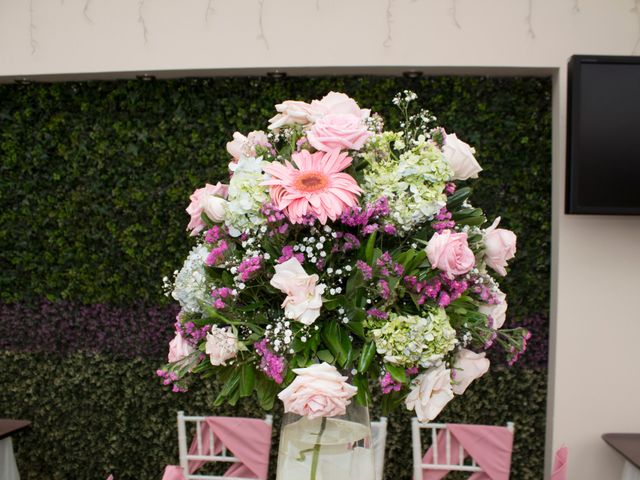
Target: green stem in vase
{"type": "Point", "coordinates": [316, 450]}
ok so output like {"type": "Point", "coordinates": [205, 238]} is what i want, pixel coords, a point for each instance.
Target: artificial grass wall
{"type": "Point", "coordinates": [94, 179]}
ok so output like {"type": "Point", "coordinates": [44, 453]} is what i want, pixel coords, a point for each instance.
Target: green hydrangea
{"type": "Point", "coordinates": [411, 340]}
{"type": "Point", "coordinates": [412, 181]}
{"type": "Point", "coordinates": [246, 195]}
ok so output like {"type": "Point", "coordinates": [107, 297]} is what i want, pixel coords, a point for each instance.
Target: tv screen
{"type": "Point", "coordinates": [603, 135]}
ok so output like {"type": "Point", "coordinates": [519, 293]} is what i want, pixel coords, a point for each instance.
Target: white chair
{"type": "Point", "coordinates": [202, 454]}
{"type": "Point", "coordinates": [441, 460]}
{"type": "Point", "coordinates": [379, 439]}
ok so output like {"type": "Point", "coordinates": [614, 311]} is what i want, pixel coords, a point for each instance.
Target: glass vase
{"type": "Point", "coordinates": [327, 448]}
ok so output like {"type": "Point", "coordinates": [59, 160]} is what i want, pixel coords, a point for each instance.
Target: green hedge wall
{"type": "Point", "coordinates": [94, 179]}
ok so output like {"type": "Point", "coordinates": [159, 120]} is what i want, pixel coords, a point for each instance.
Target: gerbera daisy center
{"type": "Point", "coordinates": [310, 182]}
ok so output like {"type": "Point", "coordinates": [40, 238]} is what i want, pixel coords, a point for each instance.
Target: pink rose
{"type": "Point", "coordinates": [179, 348]}
{"type": "Point", "coordinates": [292, 112]}
{"type": "Point", "coordinates": [497, 311]}
{"type": "Point", "coordinates": [430, 393]}
{"type": "Point", "coordinates": [317, 391]}
{"type": "Point", "coordinates": [338, 131]}
{"type": "Point", "coordinates": [460, 157]}
{"type": "Point", "coordinates": [304, 296]}
{"type": "Point", "coordinates": [468, 366]}
{"type": "Point", "coordinates": [222, 345]}
{"type": "Point", "coordinates": [499, 246]}
{"type": "Point", "coordinates": [339, 103]}
{"type": "Point", "coordinates": [450, 253]}
{"type": "Point", "coordinates": [199, 199]}
{"type": "Point", "coordinates": [241, 145]}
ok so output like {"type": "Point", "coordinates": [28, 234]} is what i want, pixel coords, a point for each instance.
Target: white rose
{"type": "Point", "coordinates": [497, 311]}
{"type": "Point", "coordinates": [460, 157]}
{"type": "Point", "coordinates": [222, 345]}
{"type": "Point", "coordinates": [430, 393]}
{"type": "Point", "coordinates": [468, 366]}
{"type": "Point", "coordinates": [215, 207]}
{"type": "Point", "coordinates": [293, 112]}
{"type": "Point", "coordinates": [179, 348]}
{"type": "Point", "coordinates": [304, 297]}
{"type": "Point", "coordinates": [340, 104]}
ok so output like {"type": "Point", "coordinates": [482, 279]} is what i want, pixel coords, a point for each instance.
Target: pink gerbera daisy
{"type": "Point", "coordinates": [315, 188]}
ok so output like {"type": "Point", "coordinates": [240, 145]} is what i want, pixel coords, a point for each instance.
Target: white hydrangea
{"type": "Point", "coordinates": [413, 183]}
{"type": "Point", "coordinates": [190, 287]}
{"type": "Point", "coordinates": [246, 195]}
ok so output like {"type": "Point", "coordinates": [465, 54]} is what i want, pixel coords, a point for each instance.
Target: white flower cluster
{"type": "Point", "coordinates": [190, 287]}
{"type": "Point", "coordinates": [246, 195]}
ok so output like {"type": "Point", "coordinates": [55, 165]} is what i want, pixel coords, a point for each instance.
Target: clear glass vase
{"type": "Point", "coordinates": [327, 448]}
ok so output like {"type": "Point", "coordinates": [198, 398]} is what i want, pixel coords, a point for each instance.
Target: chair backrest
{"type": "Point", "coordinates": [202, 453]}
{"type": "Point", "coordinates": [452, 458]}
{"type": "Point", "coordinates": [379, 439]}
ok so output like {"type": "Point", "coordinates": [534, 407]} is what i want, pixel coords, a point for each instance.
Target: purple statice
{"type": "Point", "coordinates": [374, 312]}
{"type": "Point", "coordinates": [216, 255]}
{"type": "Point", "coordinates": [366, 270]}
{"type": "Point", "coordinates": [270, 363]}
{"type": "Point", "coordinates": [169, 378]}
{"type": "Point", "coordinates": [450, 188]}
{"type": "Point", "coordinates": [367, 218]}
{"type": "Point", "coordinates": [287, 253]}
{"type": "Point", "coordinates": [214, 234]}
{"type": "Point", "coordinates": [369, 229]}
{"type": "Point", "coordinates": [424, 289]}
{"type": "Point", "coordinates": [515, 353]}
{"type": "Point", "coordinates": [390, 229]}
{"type": "Point", "coordinates": [248, 267]}
{"type": "Point", "coordinates": [190, 332]}
{"type": "Point", "coordinates": [443, 221]}
{"type": "Point", "coordinates": [383, 288]}
{"type": "Point", "coordinates": [276, 219]}
{"type": "Point", "coordinates": [388, 384]}
{"type": "Point", "coordinates": [219, 295]}
{"type": "Point", "coordinates": [345, 242]}
{"type": "Point", "coordinates": [300, 143]}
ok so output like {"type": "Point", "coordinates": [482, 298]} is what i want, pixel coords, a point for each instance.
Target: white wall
{"type": "Point", "coordinates": [594, 383]}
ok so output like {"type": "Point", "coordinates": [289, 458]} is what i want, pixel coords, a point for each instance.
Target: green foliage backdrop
{"type": "Point", "coordinates": [94, 179]}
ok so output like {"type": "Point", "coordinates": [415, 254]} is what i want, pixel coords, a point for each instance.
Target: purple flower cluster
{"type": "Point", "coordinates": [249, 266]}
{"type": "Point", "coordinates": [515, 352]}
{"type": "Point", "coordinates": [367, 218]}
{"type": "Point", "coordinates": [216, 255]}
{"type": "Point", "coordinates": [287, 253]}
{"type": "Point", "coordinates": [270, 363]}
{"type": "Point", "coordinates": [450, 188]}
{"type": "Point", "coordinates": [219, 295]}
{"type": "Point", "coordinates": [388, 384]}
{"type": "Point", "coordinates": [214, 234]}
{"type": "Point", "coordinates": [440, 288]}
{"type": "Point", "coordinates": [345, 242]}
{"type": "Point", "coordinates": [386, 266]}
{"type": "Point", "coordinates": [374, 312]}
{"type": "Point", "coordinates": [171, 378]}
{"type": "Point", "coordinates": [276, 220]}
{"type": "Point", "coordinates": [190, 331]}
{"type": "Point", "coordinates": [443, 221]}
{"type": "Point", "coordinates": [366, 270]}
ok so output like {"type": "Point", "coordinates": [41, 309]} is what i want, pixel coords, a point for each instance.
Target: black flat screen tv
{"type": "Point", "coordinates": [603, 135]}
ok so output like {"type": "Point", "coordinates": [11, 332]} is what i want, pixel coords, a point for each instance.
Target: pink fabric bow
{"type": "Point", "coordinates": [560, 465]}
{"type": "Point", "coordinates": [248, 438]}
{"type": "Point", "coordinates": [490, 446]}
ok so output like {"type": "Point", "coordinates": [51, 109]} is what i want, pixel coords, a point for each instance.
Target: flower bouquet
{"type": "Point", "coordinates": [341, 257]}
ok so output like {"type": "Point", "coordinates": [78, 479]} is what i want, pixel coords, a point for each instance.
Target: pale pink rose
{"type": "Point", "coordinates": [241, 145]}
{"type": "Point", "coordinates": [499, 246]}
{"type": "Point", "coordinates": [338, 131]}
{"type": "Point", "coordinates": [339, 103]}
{"type": "Point", "coordinates": [498, 311]}
{"type": "Point", "coordinates": [304, 296]}
{"type": "Point", "coordinates": [293, 112]}
{"type": "Point", "coordinates": [317, 391]}
{"type": "Point", "coordinates": [450, 253]}
{"type": "Point", "coordinates": [460, 157]}
{"type": "Point", "coordinates": [199, 199]}
{"type": "Point", "coordinates": [468, 366]}
{"type": "Point", "coordinates": [179, 348]}
{"type": "Point", "coordinates": [430, 393]}
{"type": "Point", "coordinates": [222, 345]}
{"type": "Point", "coordinates": [215, 208]}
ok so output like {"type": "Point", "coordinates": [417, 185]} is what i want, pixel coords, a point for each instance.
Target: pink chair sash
{"type": "Point", "coordinates": [560, 465]}
{"type": "Point", "coordinates": [490, 446]}
{"type": "Point", "coordinates": [248, 438]}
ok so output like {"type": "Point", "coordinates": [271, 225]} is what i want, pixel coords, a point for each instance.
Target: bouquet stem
{"type": "Point", "coordinates": [316, 450]}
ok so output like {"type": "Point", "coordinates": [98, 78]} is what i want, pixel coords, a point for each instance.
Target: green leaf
{"type": "Point", "coordinates": [230, 386]}
{"type": "Point", "coordinates": [337, 341]}
{"type": "Point", "coordinates": [366, 356]}
{"type": "Point", "coordinates": [266, 389]}
{"type": "Point", "coordinates": [247, 379]}
{"type": "Point", "coordinates": [363, 396]}
{"type": "Point", "coordinates": [368, 252]}
{"type": "Point", "coordinates": [325, 356]}
{"type": "Point", "coordinates": [397, 372]}
{"type": "Point", "coordinates": [458, 197]}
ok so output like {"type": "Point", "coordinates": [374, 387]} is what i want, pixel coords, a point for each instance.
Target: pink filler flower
{"type": "Point", "coordinates": [315, 188]}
